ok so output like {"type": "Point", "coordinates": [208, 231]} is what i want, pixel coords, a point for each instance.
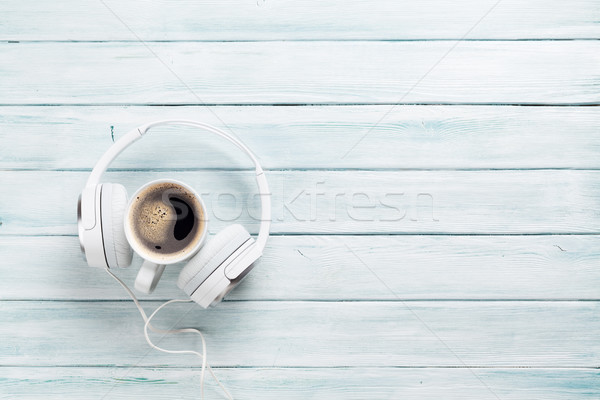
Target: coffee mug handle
{"type": "Point", "coordinates": [148, 277]}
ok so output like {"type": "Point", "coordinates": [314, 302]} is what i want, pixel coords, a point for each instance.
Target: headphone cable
{"type": "Point", "coordinates": [148, 325]}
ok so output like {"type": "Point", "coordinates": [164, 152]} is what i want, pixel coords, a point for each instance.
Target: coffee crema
{"type": "Point", "coordinates": [166, 220]}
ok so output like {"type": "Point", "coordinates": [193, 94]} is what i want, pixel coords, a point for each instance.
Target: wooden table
{"type": "Point", "coordinates": [436, 195]}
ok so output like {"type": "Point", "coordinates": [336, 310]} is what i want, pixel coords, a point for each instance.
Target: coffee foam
{"type": "Point", "coordinates": [153, 217]}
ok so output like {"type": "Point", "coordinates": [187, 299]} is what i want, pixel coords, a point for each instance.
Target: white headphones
{"type": "Point", "coordinates": [210, 274]}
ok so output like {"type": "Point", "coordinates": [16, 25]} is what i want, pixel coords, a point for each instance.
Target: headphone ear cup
{"type": "Point", "coordinates": [211, 256]}
{"type": "Point", "coordinates": [116, 247]}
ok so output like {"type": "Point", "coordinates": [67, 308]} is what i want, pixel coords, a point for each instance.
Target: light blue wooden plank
{"type": "Point", "coordinates": [454, 202]}
{"type": "Point", "coordinates": [552, 72]}
{"type": "Point", "coordinates": [322, 268]}
{"type": "Point", "coordinates": [302, 383]}
{"type": "Point", "coordinates": [286, 137]}
{"type": "Point", "coordinates": [308, 334]}
{"type": "Point", "coordinates": [310, 19]}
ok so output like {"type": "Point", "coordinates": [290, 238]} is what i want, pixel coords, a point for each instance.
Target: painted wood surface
{"type": "Point", "coordinates": [306, 20]}
{"type": "Point", "coordinates": [308, 334]}
{"type": "Point", "coordinates": [303, 383]}
{"type": "Point", "coordinates": [410, 137]}
{"type": "Point", "coordinates": [487, 287]}
{"type": "Point", "coordinates": [552, 267]}
{"type": "Point", "coordinates": [323, 268]}
{"type": "Point", "coordinates": [516, 72]}
{"type": "Point", "coordinates": [340, 202]}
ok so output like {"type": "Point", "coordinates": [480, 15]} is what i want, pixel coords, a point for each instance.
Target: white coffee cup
{"type": "Point", "coordinates": [165, 223]}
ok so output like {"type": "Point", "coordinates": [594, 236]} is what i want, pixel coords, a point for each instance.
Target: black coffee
{"type": "Point", "coordinates": [166, 220]}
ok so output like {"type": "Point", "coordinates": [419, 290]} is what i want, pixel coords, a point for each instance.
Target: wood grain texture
{"type": "Point", "coordinates": [338, 202]}
{"type": "Point", "coordinates": [302, 383]}
{"type": "Point", "coordinates": [323, 268]}
{"type": "Point", "coordinates": [462, 232]}
{"type": "Point", "coordinates": [553, 72]}
{"type": "Point", "coordinates": [425, 137]}
{"type": "Point", "coordinates": [308, 334]}
{"type": "Point", "coordinates": [290, 20]}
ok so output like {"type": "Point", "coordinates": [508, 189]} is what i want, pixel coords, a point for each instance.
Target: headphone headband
{"type": "Point", "coordinates": [263, 188]}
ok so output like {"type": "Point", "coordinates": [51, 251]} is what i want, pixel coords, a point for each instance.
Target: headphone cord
{"type": "Point", "coordinates": [148, 325]}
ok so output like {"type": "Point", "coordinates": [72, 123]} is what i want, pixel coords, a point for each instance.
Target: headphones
{"type": "Point", "coordinates": [212, 272]}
